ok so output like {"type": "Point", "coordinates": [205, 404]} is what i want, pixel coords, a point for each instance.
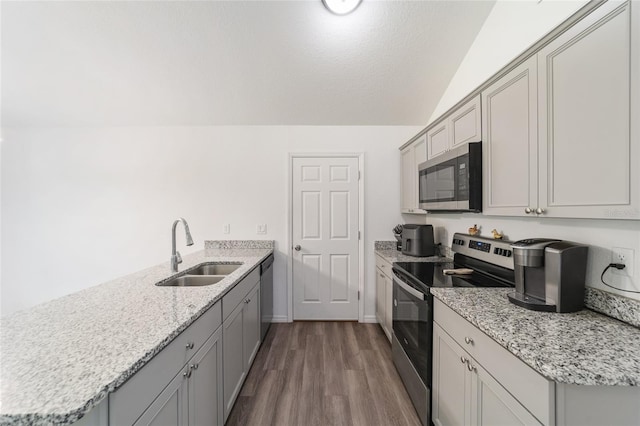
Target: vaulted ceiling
{"type": "Point", "coordinates": [176, 63]}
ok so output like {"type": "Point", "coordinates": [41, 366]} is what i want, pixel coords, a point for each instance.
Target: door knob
{"type": "Point", "coordinates": [539, 211]}
{"type": "Point", "coordinates": [297, 248]}
{"type": "Point", "coordinates": [528, 210]}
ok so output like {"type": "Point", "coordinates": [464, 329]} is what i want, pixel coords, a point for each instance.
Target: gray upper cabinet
{"type": "Point", "coordinates": [510, 144]}
{"type": "Point", "coordinates": [588, 91]}
{"type": "Point", "coordinates": [411, 156]}
{"type": "Point", "coordinates": [465, 123]}
{"type": "Point", "coordinates": [461, 126]}
{"type": "Point", "coordinates": [558, 138]}
{"type": "Point", "coordinates": [438, 140]}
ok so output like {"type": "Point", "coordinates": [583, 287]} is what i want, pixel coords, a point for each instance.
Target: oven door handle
{"type": "Point", "coordinates": [406, 287]}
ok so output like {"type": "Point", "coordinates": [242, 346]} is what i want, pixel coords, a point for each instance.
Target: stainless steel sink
{"type": "Point", "coordinates": [191, 281]}
{"type": "Point", "coordinates": [215, 269]}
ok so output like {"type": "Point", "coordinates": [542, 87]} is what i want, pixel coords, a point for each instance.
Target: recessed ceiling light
{"type": "Point", "coordinates": [341, 7]}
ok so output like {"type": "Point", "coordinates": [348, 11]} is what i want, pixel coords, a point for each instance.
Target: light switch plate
{"type": "Point", "coordinates": [227, 228]}
{"type": "Point", "coordinates": [261, 229]}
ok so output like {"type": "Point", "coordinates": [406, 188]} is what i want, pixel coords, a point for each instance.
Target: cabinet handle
{"type": "Point", "coordinates": [471, 368]}
{"type": "Point", "coordinates": [464, 360]}
{"type": "Point", "coordinates": [187, 373]}
{"type": "Point", "coordinates": [539, 211]}
{"type": "Point", "coordinates": [468, 340]}
{"type": "Point", "coordinates": [528, 210]}
{"type": "Point", "coordinates": [395, 302]}
{"type": "Point", "coordinates": [381, 275]}
{"type": "Point", "coordinates": [190, 345]}
{"type": "Point", "coordinates": [195, 366]}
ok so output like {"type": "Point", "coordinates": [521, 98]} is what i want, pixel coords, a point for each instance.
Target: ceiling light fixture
{"type": "Point", "coordinates": [341, 7]}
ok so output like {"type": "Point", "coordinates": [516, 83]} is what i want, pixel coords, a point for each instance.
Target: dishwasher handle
{"type": "Point", "coordinates": [266, 264]}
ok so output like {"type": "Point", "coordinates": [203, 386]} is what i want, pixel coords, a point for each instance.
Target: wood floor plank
{"type": "Point", "coordinates": [323, 373]}
{"type": "Point", "coordinates": [363, 408]}
{"type": "Point", "coordinates": [337, 410]}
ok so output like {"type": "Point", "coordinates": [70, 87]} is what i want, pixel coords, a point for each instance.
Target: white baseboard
{"type": "Point", "coordinates": [370, 319]}
{"type": "Point", "coordinates": [279, 318]}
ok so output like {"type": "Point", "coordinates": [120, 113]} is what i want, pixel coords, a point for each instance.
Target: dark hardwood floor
{"type": "Point", "coordinates": [323, 373]}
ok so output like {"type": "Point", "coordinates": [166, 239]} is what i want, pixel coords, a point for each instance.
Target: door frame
{"type": "Point", "coordinates": [360, 157]}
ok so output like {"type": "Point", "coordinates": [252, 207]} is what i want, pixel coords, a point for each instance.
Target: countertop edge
{"type": "Point", "coordinates": [72, 416]}
{"type": "Point", "coordinates": [621, 381]}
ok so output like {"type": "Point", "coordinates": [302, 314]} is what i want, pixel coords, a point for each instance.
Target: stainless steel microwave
{"type": "Point", "coordinates": [452, 182]}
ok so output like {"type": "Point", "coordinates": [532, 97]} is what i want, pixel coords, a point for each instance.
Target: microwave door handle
{"type": "Point", "coordinates": [412, 291]}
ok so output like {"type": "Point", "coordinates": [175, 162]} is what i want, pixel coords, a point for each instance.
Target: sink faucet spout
{"type": "Point", "coordinates": [176, 259]}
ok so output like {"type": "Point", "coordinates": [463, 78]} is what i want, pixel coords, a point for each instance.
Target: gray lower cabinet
{"type": "Point", "coordinates": [193, 396]}
{"type": "Point", "coordinates": [241, 340]}
{"type": "Point", "coordinates": [181, 385]}
{"type": "Point", "coordinates": [196, 378]}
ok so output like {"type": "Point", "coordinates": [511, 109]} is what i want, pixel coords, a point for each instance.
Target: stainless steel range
{"type": "Point", "coordinates": [491, 265]}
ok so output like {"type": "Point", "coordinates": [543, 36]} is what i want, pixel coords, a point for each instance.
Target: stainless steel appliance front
{"type": "Point", "coordinates": [411, 344]}
{"type": "Point", "coordinates": [452, 181]}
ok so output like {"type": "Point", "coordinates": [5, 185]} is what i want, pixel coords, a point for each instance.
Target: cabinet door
{"type": "Point", "coordinates": [388, 306]}
{"type": "Point", "coordinates": [437, 140]}
{"type": "Point", "coordinates": [510, 143]}
{"type": "Point", "coordinates": [451, 392]}
{"type": "Point", "coordinates": [465, 123]}
{"type": "Point", "coordinates": [234, 370]}
{"type": "Point", "coordinates": [409, 180]}
{"type": "Point", "coordinates": [381, 295]}
{"type": "Point", "coordinates": [492, 405]}
{"type": "Point", "coordinates": [205, 384]}
{"type": "Point", "coordinates": [170, 407]}
{"type": "Point", "coordinates": [587, 162]}
{"type": "Point", "coordinates": [251, 327]}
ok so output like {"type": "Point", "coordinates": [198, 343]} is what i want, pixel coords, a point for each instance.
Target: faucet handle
{"type": "Point", "coordinates": [178, 257]}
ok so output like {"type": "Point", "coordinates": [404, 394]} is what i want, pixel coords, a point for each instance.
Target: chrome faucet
{"type": "Point", "coordinates": [176, 259]}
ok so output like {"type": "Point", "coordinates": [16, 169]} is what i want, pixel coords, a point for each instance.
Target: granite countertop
{"type": "Point", "coordinates": [581, 348]}
{"type": "Point", "coordinates": [396, 256]}
{"type": "Point", "coordinates": [62, 358]}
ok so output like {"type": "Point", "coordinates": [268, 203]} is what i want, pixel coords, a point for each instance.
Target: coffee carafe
{"type": "Point", "coordinates": [550, 274]}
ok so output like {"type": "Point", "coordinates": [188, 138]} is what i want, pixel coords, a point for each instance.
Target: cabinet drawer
{"type": "Point", "coordinates": [533, 391]}
{"type": "Point", "coordinates": [239, 292]}
{"type": "Point", "coordinates": [384, 266]}
{"type": "Point", "coordinates": [136, 394]}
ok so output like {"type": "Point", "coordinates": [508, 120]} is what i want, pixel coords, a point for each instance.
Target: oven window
{"type": "Point", "coordinates": [413, 327]}
{"type": "Point", "coordinates": [438, 183]}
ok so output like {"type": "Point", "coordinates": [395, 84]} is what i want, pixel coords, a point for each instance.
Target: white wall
{"type": "Point", "coordinates": [601, 235]}
{"type": "Point", "coordinates": [81, 206]}
{"type": "Point", "coordinates": [510, 29]}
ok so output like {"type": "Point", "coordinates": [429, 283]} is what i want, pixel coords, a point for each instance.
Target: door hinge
{"type": "Point", "coordinates": [359, 175]}
{"type": "Point", "coordinates": [358, 294]}
{"type": "Point", "coordinates": [358, 235]}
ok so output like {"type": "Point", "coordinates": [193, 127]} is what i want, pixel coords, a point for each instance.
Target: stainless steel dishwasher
{"type": "Point", "coordinates": [266, 295]}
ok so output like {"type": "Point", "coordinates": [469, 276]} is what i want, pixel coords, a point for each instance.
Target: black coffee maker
{"type": "Point", "coordinates": [550, 274]}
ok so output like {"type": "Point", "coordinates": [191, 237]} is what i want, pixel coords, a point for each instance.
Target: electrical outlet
{"type": "Point", "coordinates": [261, 229]}
{"type": "Point", "coordinates": [624, 256]}
{"type": "Point", "coordinates": [227, 228]}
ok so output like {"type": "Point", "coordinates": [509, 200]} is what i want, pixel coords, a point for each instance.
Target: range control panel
{"type": "Point", "coordinates": [479, 245]}
{"type": "Point", "coordinates": [489, 250]}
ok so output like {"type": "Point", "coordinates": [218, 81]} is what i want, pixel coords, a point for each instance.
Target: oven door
{"type": "Point", "coordinates": [413, 325]}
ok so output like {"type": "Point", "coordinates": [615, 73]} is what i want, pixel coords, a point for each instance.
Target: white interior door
{"type": "Point", "coordinates": [325, 238]}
